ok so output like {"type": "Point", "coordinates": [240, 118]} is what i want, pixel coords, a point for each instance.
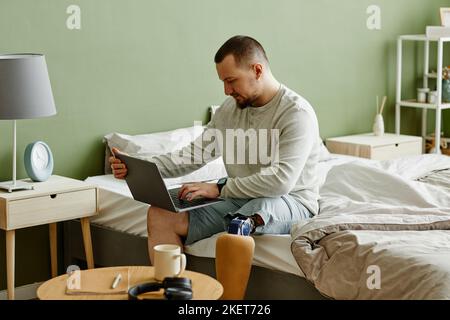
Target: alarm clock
{"type": "Point", "coordinates": [38, 161]}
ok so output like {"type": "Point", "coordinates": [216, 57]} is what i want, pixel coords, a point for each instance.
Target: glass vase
{"type": "Point", "coordinates": [445, 90]}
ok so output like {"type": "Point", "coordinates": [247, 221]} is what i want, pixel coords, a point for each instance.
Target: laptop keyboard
{"type": "Point", "coordinates": [181, 203]}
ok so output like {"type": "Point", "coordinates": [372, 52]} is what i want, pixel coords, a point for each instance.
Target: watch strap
{"type": "Point", "coordinates": [221, 183]}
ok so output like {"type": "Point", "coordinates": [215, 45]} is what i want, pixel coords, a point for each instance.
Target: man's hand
{"type": "Point", "coordinates": [191, 191]}
{"type": "Point", "coordinates": [119, 168]}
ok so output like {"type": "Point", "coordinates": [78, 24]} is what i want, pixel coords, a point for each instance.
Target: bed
{"type": "Point", "coordinates": [294, 266]}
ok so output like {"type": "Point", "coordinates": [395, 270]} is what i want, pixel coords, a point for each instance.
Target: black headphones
{"type": "Point", "coordinates": [174, 289]}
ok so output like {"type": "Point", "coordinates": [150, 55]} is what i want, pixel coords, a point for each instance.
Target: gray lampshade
{"type": "Point", "coordinates": [25, 90]}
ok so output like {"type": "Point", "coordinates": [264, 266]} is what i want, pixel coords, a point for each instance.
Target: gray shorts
{"type": "Point", "coordinates": [278, 215]}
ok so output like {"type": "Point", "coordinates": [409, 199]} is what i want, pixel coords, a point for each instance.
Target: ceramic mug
{"type": "Point", "coordinates": [432, 97]}
{"type": "Point", "coordinates": [169, 261]}
{"type": "Point", "coordinates": [422, 94]}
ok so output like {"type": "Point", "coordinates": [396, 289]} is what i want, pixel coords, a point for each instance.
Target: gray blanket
{"type": "Point", "coordinates": [380, 235]}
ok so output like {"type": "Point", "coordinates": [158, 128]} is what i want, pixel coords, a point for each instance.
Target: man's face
{"type": "Point", "coordinates": [240, 82]}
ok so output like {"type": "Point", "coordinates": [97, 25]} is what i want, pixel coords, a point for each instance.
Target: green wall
{"type": "Point", "coordinates": [143, 66]}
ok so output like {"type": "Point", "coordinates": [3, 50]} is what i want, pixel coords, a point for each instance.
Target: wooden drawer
{"type": "Point", "coordinates": [396, 150]}
{"type": "Point", "coordinates": [350, 149]}
{"type": "Point", "coordinates": [51, 208]}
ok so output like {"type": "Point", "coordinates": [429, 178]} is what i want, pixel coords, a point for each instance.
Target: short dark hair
{"type": "Point", "coordinates": [243, 48]}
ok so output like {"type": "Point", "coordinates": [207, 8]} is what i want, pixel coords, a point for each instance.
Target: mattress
{"type": "Point", "coordinates": [119, 211]}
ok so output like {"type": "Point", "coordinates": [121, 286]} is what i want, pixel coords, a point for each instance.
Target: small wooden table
{"type": "Point", "coordinates": [204, 287]}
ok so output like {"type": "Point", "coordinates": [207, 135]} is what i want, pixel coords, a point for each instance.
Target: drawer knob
{"type": "Point", "coordinates": [396, 144]}
{"type": "Point", "coordinates": [53, 196]}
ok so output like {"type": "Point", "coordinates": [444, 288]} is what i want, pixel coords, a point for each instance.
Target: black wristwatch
{"type": "Point", "coordinates": [221, 183]}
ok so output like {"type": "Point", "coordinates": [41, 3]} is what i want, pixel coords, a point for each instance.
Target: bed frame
{"type": "Point", "coordinates": [116, 248]}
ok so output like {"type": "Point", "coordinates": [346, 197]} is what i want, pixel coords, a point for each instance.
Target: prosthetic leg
{"type": "Point", "coordinates": [234, 256]}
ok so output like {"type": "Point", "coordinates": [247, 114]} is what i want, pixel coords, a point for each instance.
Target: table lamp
{"type": "Point", "coordinates": [25, 93]}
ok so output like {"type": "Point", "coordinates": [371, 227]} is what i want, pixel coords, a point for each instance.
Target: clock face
{"type": "Point", "coordinates": [38, 161]}
{"type": "Point", "coordinates": [40, 156]}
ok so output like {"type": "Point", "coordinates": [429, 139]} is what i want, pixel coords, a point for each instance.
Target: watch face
{"type": "Point", "coordinates": [40, 156]}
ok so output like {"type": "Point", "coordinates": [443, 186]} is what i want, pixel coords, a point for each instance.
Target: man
{"type": "Point", "coordinates": [273, 195]}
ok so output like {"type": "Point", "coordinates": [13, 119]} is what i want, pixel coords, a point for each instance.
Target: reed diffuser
{"type": "Point", "coordinates": [378, 125]}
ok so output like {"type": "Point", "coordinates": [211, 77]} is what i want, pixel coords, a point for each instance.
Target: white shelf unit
{"type": "Point", "coordinates": [439, 105]}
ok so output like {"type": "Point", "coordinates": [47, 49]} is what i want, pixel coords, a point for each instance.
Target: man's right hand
{"type": "Point", "coordinates": [119, 168]}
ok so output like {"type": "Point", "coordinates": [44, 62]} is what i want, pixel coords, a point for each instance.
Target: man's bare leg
{"type": "Point", "coordinates": [165, 227]}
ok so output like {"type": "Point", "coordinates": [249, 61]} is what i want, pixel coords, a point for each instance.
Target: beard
{"type": "Point", "coordinates": [244, 103]}
{"type": "Point", "coordinates": [241, 106]}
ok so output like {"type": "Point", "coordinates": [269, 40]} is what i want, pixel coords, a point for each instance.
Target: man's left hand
{"type": "Point", "coordinates": [191, 191]}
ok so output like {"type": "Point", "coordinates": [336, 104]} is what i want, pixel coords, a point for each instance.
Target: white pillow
{"type": "Point", "coordinates": [158, 143]}
{"type": "Point", "coordinates": [153, 144]}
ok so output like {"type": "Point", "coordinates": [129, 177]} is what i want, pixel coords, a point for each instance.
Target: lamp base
{"type": "Point", "coordinates": [19, 185]}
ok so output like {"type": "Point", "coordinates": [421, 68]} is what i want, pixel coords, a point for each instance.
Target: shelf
{"type": "Point", "coordinates": [415, 104]}
{"type": "Point", "coordinates": [428, 74]}
{"type": "Point", "coordinates": [423, 37]}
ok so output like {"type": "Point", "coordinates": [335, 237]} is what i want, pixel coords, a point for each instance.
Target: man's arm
{"type": "Point", "coordinates": [178, 163]}
{"type": "Point", "coordinates": [296, 141]}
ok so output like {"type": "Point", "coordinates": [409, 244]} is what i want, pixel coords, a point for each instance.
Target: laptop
{"type": "Point", "coordinates": [147, 185]}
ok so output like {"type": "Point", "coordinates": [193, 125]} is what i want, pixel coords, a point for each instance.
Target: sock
{"type": "Point", "coordinates": [256, 222]}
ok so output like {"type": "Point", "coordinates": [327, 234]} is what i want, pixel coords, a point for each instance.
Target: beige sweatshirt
{"type": "Point", "coordinates": [292, 122]}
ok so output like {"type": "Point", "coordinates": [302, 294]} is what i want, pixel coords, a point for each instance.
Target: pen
{"type": "Point", "coordinates": [116, 281]}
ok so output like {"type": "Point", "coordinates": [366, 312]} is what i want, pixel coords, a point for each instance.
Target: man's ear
{"type": "Point", "coordinates": [258, 69]}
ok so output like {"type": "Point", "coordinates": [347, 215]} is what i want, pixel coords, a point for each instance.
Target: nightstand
{"type": "Point", "coordinates": [388, 146]}
{"type": "Point", "coordinates": [57, 199]}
